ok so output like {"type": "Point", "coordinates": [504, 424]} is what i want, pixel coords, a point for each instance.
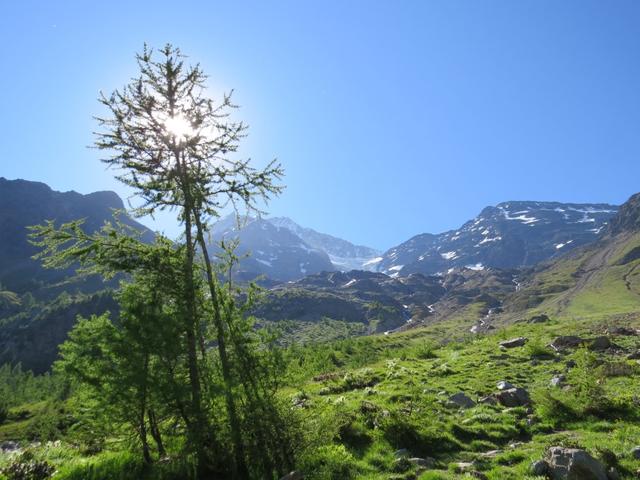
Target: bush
{"type": "Point", "coordinates": [329, 462]}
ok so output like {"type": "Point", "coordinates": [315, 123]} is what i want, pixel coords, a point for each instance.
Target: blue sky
{"type": "Point", "coordinates": [391, 118]}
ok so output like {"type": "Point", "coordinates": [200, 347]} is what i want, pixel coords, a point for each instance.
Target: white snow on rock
{"type": "Point", "coordinates": [449, 255]}
{"type": "Point", "coordinates": [372, 262]}
{"type": "Point", "coordinates": [264, 262]}
{"type": "Point", "coordinates": [396, 268]}
{"type": "Point", "coordinates": [487, 240]}
{"type": "Point", "coordinates": [477, 266]}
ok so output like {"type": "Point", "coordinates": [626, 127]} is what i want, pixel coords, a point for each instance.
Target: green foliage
{"type": "Point", "coordinates": [330, 462]}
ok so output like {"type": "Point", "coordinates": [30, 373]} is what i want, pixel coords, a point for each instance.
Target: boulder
{"type": "Point", "coordinates": [539, 468]}
{"type": "Point", "coordinates": [565, 342]}
{"type": "Point", "coordinates": [634, 355]}
{"type": "Point", "coordinates": [514, 342]}
{"type": "Point", "coordinates": [573, 464]}
{"type": "Point", "coordinates": [504, 385]}
{"type": "Point", "coordinates": [558, 380]}
{"type": "Point", "coordinates": [461, 400]}
{"type": "Point", "coordinates": [514, 397]}
{"type": "Point", "coordinates": [539, 319]}
{"type": "Point", "coordinates": [635, 453]}
{"type": "Point", "coordinates": [600, 343]}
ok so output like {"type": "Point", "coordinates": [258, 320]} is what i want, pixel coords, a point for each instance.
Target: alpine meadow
{"type": "Point", "coordinates": [173, 322]}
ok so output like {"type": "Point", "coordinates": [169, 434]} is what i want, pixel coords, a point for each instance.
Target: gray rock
{"type": "Point", "coordinates": [558, 380]}
{"type": "Point", "coordinates": [634, 355]}
{"type": "Point", "coordinates": [574, 464]}
{"type": "Point", "coordinates": [295, 475]}
{"type": "Point", "coordinates": [504, 385]}
{"type": "Point", "coordinates": [461, 400]}
{"type": "Point", "coordinates": [600, 343]}
{"type": "Point", "coordinates": [539, 319]}
{"type": "Point", "coordinates": [514, 397]}
{"type": "Point", "coordinates": [570, 364]}
{"type": "Point", "coordinates": [622, 331]}
{"type": "Point", "coordinates": [9, 446]}
{"type": "Point", "coordinates": [612, 474]}
{"type": "Point", "coordinates": [565, 342]}
{"type": "Point", "coordinates": [539, 467]}
{"type": "Point", "coordinates": [423, 462]}
{"type": "Point", "coordinates": [403, 452]}
{"type": "Point", "coordinates": [635, 453]}
{"type": "Point", "coordinates": [514, 342]}
{"type": "Point", "coordinates": [488, 400]}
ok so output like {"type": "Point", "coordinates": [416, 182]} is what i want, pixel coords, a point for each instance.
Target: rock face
{"type": "Point", "coordinates": [509, 235]}
{"type": "Point", "coordinates": [344, 255]}
{"type": "Point", "coordinates": [266, 249]}
{"type": "Point", "coordinates": [24, 203]}
{"type": "Point", "coordinates": [573, 464]}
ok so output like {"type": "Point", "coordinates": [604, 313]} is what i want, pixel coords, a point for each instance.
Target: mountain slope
{"type": "Point", "coordinates": [344, 255]}
{"type": "Point", "coordinates": [597, 280]}
{"type": "Point", "coordinates": [509, 235]}
{"type": "Point", "coordinates": [24, 203]}
{"type": "Point", "coordinates": [269, 250]}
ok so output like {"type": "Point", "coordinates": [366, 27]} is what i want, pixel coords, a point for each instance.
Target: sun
{"type": "Point", "coordinates": [179, 126]}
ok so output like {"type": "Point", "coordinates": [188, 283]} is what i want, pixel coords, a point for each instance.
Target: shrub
{"type": "Point", "coordinates": [329, 462]}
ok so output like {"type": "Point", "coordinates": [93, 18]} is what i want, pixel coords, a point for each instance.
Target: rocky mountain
{"type": "Point", "coordinates": [270, 250]}
{"type": "Point", "coordinates": [380, 303]}
{"type": "Point", "coordinates": [344, 255]}
{"type": "Point", "coordinates": [24, 203]}
{"type": "Point", "coordinates": [509, 235]}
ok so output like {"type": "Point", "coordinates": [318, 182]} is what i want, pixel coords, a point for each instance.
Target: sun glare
{"type": "Point", "coordinates": [179, 126]}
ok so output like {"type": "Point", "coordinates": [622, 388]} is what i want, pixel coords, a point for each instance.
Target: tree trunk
{"type": "Point", "coordinates": [155, 432]}
{"type": "Point", "coordinates": [236, 433]}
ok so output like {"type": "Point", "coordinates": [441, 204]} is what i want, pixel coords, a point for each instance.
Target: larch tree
{"type": "Point", "coordinates": [173, 145]}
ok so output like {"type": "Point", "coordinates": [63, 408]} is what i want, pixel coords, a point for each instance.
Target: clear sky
{"type": "Point", "coordinates": [391, 118]}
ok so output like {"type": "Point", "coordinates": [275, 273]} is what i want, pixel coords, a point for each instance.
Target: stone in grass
{"type": "Point", "coordinates": [427, 462]}
{"type": "Point", "coordinates": [469, 468]}
{"type": "Point", "coordinates": [514, 342]}
{"type": "Point", "coordinates": [600, 343]}
{"type": "Point", "coordinates": [574, 464]}
{"type": "Point", "coordinates": [564, 342]}
{"type": "Point", "coordinates": [460, 400]}
{"type": "Point", "coordinates": [634, 355]}
{"type": "Point", "coordinates": [504, 385]}
{"type": "Point", "coordinates": [403, 452]}
{"type": "Point", "coordinates": [635, 453]}
{"type": "Point", "coordinates": [558, 380]}
{"type": "Point", "coordinates": [488, 400]}
{"type": "Point", "coordinates": [542, 318]}
{"type": "Point", "coordinates": [514, 397]}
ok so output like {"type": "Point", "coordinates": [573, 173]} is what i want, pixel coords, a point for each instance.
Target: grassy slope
{"type": "Point", "coordinates": [380, 393]}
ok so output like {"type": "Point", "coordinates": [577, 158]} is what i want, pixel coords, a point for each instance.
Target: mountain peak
{"type": "Point", "coordinates": [628, 217]}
